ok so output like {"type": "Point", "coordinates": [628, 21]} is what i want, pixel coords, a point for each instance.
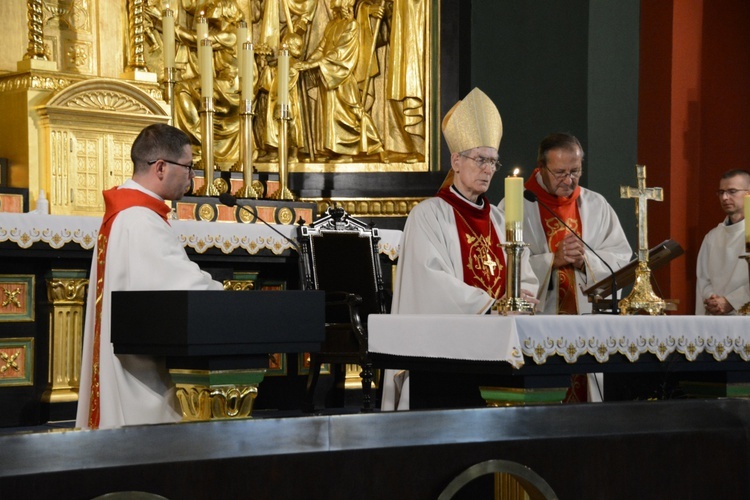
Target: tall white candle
{"type": "Point", "coordinates": [168, 37]}
{"type": "Point", "coordinates": [283, 76]}
{"type": "Point", "coordinates": [247, 71]}
{"type": "Point", "coordinates": [206, 58]}
{"type": "Point", "coordinates": [201, 32]}
{"type": "Point", "coordinates": [513, 198]}
{"type": "Point", "coordinates": [241, 39]}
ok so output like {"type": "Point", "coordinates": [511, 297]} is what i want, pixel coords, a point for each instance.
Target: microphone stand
{"type": "Point", "coordinates": [531, 196]}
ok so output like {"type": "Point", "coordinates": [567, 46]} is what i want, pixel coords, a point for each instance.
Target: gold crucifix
{"type": "Point", "coordinates": [643, 194]}
{"type": "Point", "coordinates": [642, 297]}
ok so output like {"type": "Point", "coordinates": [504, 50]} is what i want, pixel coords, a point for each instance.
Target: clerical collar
{"type": "Point", "coordinates": [131, 184]}
{"type": "Point", "coordinates": [540, 181]}
{"type": "Point", "coordinates": [455, 191]}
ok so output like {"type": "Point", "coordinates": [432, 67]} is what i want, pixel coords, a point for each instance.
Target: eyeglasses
{"type": "Point", "coordinates": [492, 164]}
{"type": "Point", "coordinates": [559, 176]}
{"type": "Point", "coordinates": [190, 167]}
{"type": "Point", "coordinates": [730, 192]}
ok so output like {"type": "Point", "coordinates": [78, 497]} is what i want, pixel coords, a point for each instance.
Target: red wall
{"type": "Point", "coordinates": [694, 112]}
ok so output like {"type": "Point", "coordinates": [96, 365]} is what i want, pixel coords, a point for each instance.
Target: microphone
{"type": "Point", "coordinates": [532, 197]}
{"type": "Point", "coordinates": [231, 201]}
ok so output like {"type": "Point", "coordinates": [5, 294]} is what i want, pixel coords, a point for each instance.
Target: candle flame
{"type": "Point", "coordinates": [516, 171]}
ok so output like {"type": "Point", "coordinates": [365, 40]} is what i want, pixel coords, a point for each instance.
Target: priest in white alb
{"type": "Point", "coordinates": [722, 276]}
{"type": "Point", "coordinates": [451, 259]}
{"type": "Point", "coordinates": [136, 250]}
{"type": "Point", "coordinates": [563, 265]}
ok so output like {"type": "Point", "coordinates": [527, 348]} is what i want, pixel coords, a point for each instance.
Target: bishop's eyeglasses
{"type": "Point", "coordinates": [491, 164]}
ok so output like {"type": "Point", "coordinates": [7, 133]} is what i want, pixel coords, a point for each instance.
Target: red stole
{"type": "Point", "coordinates": [115, 201]}
{"type": "Point", "coordinates": [567, 210]}
{"type": "Point", "coordinates": [481, 253]}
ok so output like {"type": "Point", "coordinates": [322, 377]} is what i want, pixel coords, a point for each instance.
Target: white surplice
{"type": "Point", "coordinates": [143, 253]}
{"type": "Point", "coordinates": [720, 270]}
{"type": "Point", "coordinates": [430, 280]}
{"type": "Point", "coordinates": [601, 229]}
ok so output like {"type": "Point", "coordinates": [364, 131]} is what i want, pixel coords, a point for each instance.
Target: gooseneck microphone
{"type": "Point", "coordinates": [231, 201]}
{"type": "Point", "coordinates": [532, 197]}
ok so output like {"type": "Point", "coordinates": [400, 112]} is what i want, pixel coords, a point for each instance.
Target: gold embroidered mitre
{"type": "Point", "coordinates": [473, 122]}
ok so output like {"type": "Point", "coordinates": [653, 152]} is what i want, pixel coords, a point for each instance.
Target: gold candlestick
{"type": "Point", "coordinates": [283, 193]}
{"type": "Point", "coordinates": [207, 148]}
{"type": "Point", "coordinates": [170, 79]}
{"type": "Point", "coordinates": [285, 117]}
{"type": "Point", "coordinates": [511, 302]}
{"type": "Point", "coordinates": [250, 189]}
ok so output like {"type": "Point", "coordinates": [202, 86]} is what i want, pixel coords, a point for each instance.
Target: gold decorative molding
{"type": "Point", "coordinates": [66, 293]}
{"type": "Point", "coordinates": [17, 300]}
{"type": "Point", "coordinates": [368, 207]}
{"type": "Point", "coordinates": [16, 362]}
{"type": "Point", "coordinates": [216, 395]}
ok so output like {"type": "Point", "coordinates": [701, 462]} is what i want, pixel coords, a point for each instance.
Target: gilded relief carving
{"type": "Point", "coordinates": [358, 80]}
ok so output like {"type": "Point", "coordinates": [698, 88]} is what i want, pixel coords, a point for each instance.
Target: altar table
{"type": "Point", "coordinates": [542, 348]}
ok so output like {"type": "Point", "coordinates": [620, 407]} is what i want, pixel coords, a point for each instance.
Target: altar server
{"type": "Point", "coordinates": [722, 277]}
{"type": "Point", "coordinates": [136, 250]}
{"type": "Point", "coordinates": [451, 259]}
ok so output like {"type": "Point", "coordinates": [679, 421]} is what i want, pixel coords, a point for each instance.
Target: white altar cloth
{"type": "Point", "coordinates": [59, 230]}
{"type": "Point", "coordinates": [505, 338]}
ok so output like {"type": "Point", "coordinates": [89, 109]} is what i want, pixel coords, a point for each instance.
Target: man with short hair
{"type": "Point", "coordinates": [722, 279]}
{"type": "Point", "coordinates": [561, 262]}
{"type": "Point", "coordinates": [136, 250]}
{"type": "Point", "coordinates": [452, 260]}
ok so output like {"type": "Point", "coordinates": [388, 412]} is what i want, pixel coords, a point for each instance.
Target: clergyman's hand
{"type": "Point", "coordinates": [569, 251]}
{"type": "Point", "coordinates": [529, 297]}
{"type": "Point", "coordinates": [717, 305]}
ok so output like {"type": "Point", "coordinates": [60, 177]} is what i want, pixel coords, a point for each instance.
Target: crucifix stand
{"type": "Point", "coordinates": [642, 297]}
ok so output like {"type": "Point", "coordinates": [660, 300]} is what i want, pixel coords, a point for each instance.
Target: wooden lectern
{"type": "Point", "coordinates": [217, 343]}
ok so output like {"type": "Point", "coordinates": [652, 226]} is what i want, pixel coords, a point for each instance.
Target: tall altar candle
{"type": "Point", "coordinates": [513, 198]}
{"type": "Point", "coordinates": [201, 32]}
{"type": "Point", "coordinates": [247, 70]}
{"type": "Point", "coordinates": [283, 76]}
{"type": "Point", "coordinates": [168, 41]}
{"type": "Point", "coordinates": [747, 222]}
{"type": "Point", "coordinates": [206, 58]}
{"type": "Point", "coordinates": [241, 38]}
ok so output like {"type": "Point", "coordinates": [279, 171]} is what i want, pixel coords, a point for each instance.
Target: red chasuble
{"type": "Point", "coordinates": [481, 253]}
{"type": "Point", "coordinates": [567, 210]}
{"type": "Point", "coordinates": [115, 201]}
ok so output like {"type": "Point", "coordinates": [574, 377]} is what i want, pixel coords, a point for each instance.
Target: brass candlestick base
{"type": "Point", "coordinates": [250, 189]}
{"type": "Point", "coordinates": [642, 297]}
{"type": "Point", "coordinates": [283, 193]}
{"type": "Point", "coordinates": [511, 302]}
{"type": "Point", "coordinates": [170, 79]}
{"type": "Point", "coordinates": [207, 148]}
{"type": "Point", "coordinates": [745, 310]}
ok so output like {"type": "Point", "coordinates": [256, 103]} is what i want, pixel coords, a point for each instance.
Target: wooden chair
{"type": "Point", "coordinates": [340, 256]}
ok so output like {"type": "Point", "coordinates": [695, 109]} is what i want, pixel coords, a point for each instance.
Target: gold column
{"type": "Point", "coordinates": [66, 293]}
{"type": "Point", "coordinates": [35, 14]}
{"type": "Point", "coordinates": [136, 60]}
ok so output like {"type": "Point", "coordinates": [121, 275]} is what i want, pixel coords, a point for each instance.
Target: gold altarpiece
{"type": "Point", "coordinates": [79, 78]}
